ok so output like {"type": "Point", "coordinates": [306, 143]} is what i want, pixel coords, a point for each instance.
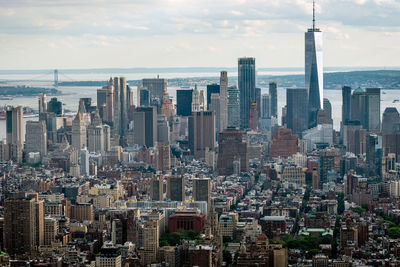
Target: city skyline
{"type": "Point", "coordinates": [157, 33]}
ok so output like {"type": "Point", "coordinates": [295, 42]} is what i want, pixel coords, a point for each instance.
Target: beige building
{"type": "Point", "coordinates": [280, 257]}
{"type": "Point", "coordinates": [109, 256]}
{"type": "Point", "coordinates": [294, 176]}
{"type": "Point", "coordinates": [79, 139]}
{"type": "Point", "coordinates": [82, 212]}
{"type": "Point", "coordinates": [23, 223]}
{"type": "Point", "coordinates": [163, 157]}
{"type": "Point", "coordinates": [53, 209]}
{"type": "Point", "coordinates": [227, 223]}
{"type": "Point", "coordinates": [202, 134]}
{"type": "Point", "coordinates": [150, 238]}
{"type": "Point", "coordinates": [50, 230]}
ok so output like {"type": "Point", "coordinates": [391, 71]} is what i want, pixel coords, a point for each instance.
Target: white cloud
{"type": "Point", "coordinates": [202, 30]}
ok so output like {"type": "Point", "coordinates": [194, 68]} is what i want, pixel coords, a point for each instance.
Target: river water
{"type": "Point", "coordinates": [71, 94]}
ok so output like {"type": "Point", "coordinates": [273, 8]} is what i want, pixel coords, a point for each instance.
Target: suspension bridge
{"type": "Point", "coordinates": [54, 76]}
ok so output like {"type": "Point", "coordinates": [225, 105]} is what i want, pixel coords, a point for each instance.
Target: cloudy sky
{"type": "Point", "coordinates": [64, 34]}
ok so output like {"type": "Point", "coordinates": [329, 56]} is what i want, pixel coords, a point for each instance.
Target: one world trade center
{"type": "Point", "coordinates": [314, 75]}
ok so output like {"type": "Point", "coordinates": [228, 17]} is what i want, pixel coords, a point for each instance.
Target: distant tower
{"type": "Point", "coordinates": [247, 88]}
{"type": "Point", "coordinates": [202, 134]}
{"type": "Point", "coordinates": [202, 101]}
{"type": "Point", "coordinates": [328, 110]}
{"type": "Point", "coordinates": [211, 89]}
{"type": "Point", "coordinates": [184, 99]}
{"type": "Point", "coordinates": [110, 102]}
{"type": "Point", "coordinates": [176, 188]}
{"type": "Point", "coordinates": [273, 93]}
{"type": "Point", "coordinates": [84, 162]}
{"type": "Point", "coordinates": [314, 73]}
{"type": "Point", "coordinates": [233, 107]}
{"type": "Point", "coordinates": [195, 100]}
{"type": "Point", "coordinates": [144, 97]}
{"type": "Point", "coordinates": [346, 104]}
{"type": "Point", "coordinates": [266, 106]}
{"type": "Point", "coordinates": [36, 137]}
{"type": "Point", "coordinates": [117, 107]}
{"type": "Point", "coordinates": [215, 106]}
{"type": "Point", "coordinates": [95, 133]}
{"type": "Point", "coordinates": [156, 188]}
{"type": "Point", "coordinates": [202, 190]}
{"type": "Point", "coordinates": [296, 116]}
{"type": "Point", "coordinates": [223, 99]}
{"type": "Point", "coordinates": [56, 78]}
{"type": "Point", "coordinates": [124, 106]}
{"type": "Point", "coordinates": [78, 132]}
{"type": "Point", "coordinates": [166, 108]}
{"type": "Point", "coordinates": [42, 103]}
{"type": "Point", "coordinates": [14, 126]}
{"type": "Point", "coordinates": [145, 126]}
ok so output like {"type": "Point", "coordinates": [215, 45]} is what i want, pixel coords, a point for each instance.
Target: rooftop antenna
{"type": "Point", "coordinates": [313, 15]}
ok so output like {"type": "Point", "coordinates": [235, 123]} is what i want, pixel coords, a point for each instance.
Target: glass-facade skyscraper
{"type": "Point", "coordinates": [296, 103]}
{"type": "Point", "coordinates": [184, 102]}
{"type": "Point", "coordinates": [273, 94]}
{"type": "Point", "coordinates": [211, 89]}
{"type": "Point", "coordinates": [314, 72]}
{"type": "Point", "coordinates": [247, 88]}
{"type": "Point", "coordinates": [346, 104]}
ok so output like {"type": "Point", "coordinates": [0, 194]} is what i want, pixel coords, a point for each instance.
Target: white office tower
{"type": "Point", "coordinates": [78, 132]}
{"type": "Point", "coordinates": [42, 103]}
{"type": "Point", "coordinates": [195, 99]}
{"type": "Point", "coordinates": [223, 100]}
{"type": "Point", "coordinates": [96, 135]}
{"type": "Point", "coordinates": [265, 106]}
{"type": "Point", "coordinates": [233, 107]}
{"type": "Point", "coordinates": [215, 106]}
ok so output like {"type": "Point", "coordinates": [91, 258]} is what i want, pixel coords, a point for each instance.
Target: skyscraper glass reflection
{"type": "Point", "coordinates": [314, 80]}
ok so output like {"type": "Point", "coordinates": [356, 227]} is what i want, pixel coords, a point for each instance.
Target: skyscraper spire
{"type": "Point", "coordinates": [313, 15]}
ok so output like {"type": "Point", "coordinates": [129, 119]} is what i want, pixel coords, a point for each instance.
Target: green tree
{"type": "Point", "coordinates": [359, 210]}
{"type": "Point", "coordinates": [394, 232]}
{"type": "Point", "coordinates": [191, 235]}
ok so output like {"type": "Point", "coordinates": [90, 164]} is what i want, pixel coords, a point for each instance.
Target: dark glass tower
{"type": "Point", "coordinates": [211, 89]}
{"type": "Point", "coordinates": [144, 97]}
{"type": "Point", "coordinates": [247, 88]}
{"type": "Point", "coordinates": [273, 94]}
{"type": "Point", "coordinates": [314, 73]}
{"type": "Point", "coordinates": [296, 116]}
{"type": "Point", "coordinates": [184, 102]}
{"type": "Point", "coordinates": [346, 104]}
